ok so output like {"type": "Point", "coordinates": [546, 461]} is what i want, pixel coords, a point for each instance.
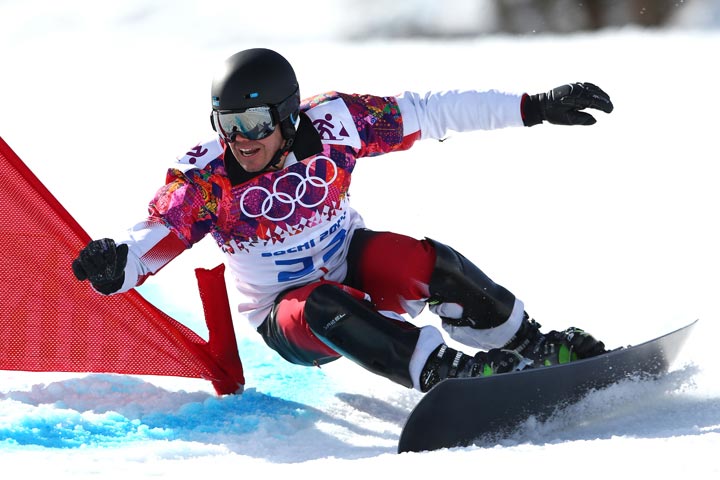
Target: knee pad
{"type": "Point", "coordinates": [455, 279]}
{"type": "Point", "coordinates": [353, 328]}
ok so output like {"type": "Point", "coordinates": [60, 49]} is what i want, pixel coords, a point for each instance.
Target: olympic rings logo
{"type": "Point", "coordinates": [289, 190]}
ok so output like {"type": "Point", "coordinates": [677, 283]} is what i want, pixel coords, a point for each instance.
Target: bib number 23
{"type": "Point", "coordinates": [305, 266]}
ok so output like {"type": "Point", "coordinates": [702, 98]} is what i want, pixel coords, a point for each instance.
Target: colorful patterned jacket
{"type": "Point", "coordinates": [292, 226]}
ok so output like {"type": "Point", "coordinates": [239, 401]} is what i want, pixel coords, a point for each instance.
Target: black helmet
{"type": "Point", "coordinates": [257, 77]}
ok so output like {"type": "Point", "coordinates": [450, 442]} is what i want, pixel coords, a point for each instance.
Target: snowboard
{"type": "Point", "coordinates": [458, 411]}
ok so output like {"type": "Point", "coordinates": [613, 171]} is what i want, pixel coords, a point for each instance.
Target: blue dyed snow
{"type": "Point", "coordinates": [70, 429]}
{"type": "Point", "coordinates": [56, 426]}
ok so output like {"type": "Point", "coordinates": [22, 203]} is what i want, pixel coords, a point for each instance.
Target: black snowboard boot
{"type": "Point", "coordinates": [553, 348]}
{"type": "Point", "coordinates": [446, 362]}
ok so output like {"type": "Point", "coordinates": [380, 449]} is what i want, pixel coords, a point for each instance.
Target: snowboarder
{"type": "Point", "coordinates": [272, 189]}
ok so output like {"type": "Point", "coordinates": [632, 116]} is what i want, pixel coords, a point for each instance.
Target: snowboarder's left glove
{"type": "Point", "coordinates": [103, 263]}
{"type": "Point", "coordinates": [563, 105]}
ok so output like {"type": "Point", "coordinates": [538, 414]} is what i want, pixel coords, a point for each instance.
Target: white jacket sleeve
{"type": "Point", "coordinates": [437, 112]}
{"type": "Point", "coordinates": [151, 246]}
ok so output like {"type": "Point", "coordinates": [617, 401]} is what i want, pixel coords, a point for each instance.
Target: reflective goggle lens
{"type": "Point", "coordinates": [254, 123]}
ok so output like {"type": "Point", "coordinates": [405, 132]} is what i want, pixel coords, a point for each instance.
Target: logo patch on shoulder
{"type": "Point", "coordinates": [201, 154]}
{"type": "Point", "coordinates": [334, 123]}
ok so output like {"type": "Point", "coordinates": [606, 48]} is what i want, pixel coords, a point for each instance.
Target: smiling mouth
{"type": "Point", "coordinates": [248, 152]}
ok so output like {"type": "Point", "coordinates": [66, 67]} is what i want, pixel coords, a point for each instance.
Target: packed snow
{"type": "Point", "coordinates": [611, 228]}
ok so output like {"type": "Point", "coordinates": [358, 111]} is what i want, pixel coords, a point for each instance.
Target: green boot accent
{"type": "Point", "coordinates": [446, 362]}
{"type": "Point", "coordinates": [553, 348]}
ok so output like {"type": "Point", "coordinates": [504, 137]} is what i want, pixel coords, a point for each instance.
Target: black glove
{"type": "Point", "coordinates": [562, 105]}
{"type": "Point", "coordinates": [103, 263]}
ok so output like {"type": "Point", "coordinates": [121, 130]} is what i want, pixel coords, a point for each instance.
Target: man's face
{"type": "Point", "coordinates": [254, 155]}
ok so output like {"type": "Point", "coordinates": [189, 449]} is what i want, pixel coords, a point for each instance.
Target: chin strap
{"type": "Point", "coordinates": [279, 155]}
{"type": "Point", "coordinates": [288, 130]}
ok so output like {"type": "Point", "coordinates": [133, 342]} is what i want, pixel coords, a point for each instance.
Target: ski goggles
{"type": "Point", "coordinates": [253, 123]}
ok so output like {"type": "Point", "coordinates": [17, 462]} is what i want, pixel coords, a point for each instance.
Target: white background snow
{"type": "Point", "coordinates": [612, 228]}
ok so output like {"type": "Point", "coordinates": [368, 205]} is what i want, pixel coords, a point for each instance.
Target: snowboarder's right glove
{"type": "Point", "coordinates": [103, 263]}
{"type": "Point", "coordinates": [563, 105]}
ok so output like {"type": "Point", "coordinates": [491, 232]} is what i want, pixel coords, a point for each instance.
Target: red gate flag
{"type": "Point", "coordinates": [50, 322]}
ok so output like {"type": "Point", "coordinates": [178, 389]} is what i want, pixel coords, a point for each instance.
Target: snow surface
{"type": "Point", "coordinates": [611, 228]}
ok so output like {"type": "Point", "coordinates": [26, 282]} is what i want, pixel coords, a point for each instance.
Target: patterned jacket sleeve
{"type": "Point", "coordinates": [181, 214]}
{"type": "Point", "coordinates": [367, 125]}
{"type": "Point", "coordinates": [373, 125]}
